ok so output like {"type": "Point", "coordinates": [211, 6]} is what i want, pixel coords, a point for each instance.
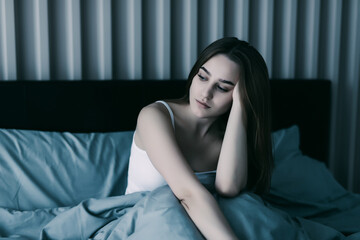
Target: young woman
{"type": "Point", "coordinates": [222, 125]}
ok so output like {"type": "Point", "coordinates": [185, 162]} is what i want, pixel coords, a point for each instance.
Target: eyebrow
{"type": "Point", "coordinates": [221, 80]}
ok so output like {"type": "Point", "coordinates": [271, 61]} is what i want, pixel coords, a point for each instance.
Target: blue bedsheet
{"type": "Point", "coordinates": [70, 186]}
{"type": "Point", "coordinates": [159, 215]}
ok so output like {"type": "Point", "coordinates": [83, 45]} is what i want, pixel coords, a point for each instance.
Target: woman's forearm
{"type": "Point", "coordinates": [204, 211]}
{"type": "Point", "coordinates": [231, 175]}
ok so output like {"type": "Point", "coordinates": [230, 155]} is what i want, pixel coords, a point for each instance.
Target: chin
{"type": "Point", "coordinates": [204, 114]}
{"type": "Point", "coordinates": [201, 115]}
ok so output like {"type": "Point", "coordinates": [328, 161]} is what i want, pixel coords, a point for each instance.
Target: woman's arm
{"type": "Point", "coordinates": [231, 173]}
{"type": "Point", "coordinates": [157, 137]}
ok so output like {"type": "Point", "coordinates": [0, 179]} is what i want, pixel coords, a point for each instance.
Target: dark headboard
{"type": "Point", "coordinates": [102, 106]}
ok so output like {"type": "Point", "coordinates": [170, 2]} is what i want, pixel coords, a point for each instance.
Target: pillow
{"type": "Point", "coordinates": [298, 177]}
{"type": "Point", "coordinates": [42, 169]}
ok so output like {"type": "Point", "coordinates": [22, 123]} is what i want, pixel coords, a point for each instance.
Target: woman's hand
{"type": "Point", "coordinates": [232, 169]}
{"type": "Point", "coordinates": [236, 96]}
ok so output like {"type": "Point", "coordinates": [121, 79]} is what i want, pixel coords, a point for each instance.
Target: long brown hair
{"type": "Point", "coordinates": [255, 99]}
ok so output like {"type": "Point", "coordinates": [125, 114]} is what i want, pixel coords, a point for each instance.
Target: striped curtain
{"type": "Point", "coordinates": [160, 39]}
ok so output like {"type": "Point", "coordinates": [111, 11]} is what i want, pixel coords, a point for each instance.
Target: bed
{"type": "Point", "coordinates": [64, 149]}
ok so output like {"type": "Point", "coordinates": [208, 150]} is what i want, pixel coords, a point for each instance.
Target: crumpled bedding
{"type": "Point", "coordinates": [70, 186]}
{"type": "Point", "coordinates": [159, 215]}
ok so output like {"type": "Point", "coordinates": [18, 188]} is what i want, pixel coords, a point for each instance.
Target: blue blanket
{"type": "Point", "coordinates": [70, 186]}
{"type": "Point", "coordinates": [158, 215]}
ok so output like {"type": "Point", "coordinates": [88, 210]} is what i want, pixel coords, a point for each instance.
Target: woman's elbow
{"type": "Point", "coordinates": [188, 196]}
{"type": "Point", "coordinates": [230, 190]}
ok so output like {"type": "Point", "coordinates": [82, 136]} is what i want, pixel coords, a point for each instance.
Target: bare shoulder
{"type": "Point", "coordinates": [153, 111]}
{"type": "Point", "coordinates": [151, 117]}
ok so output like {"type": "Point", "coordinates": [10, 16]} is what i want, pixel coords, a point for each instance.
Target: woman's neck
{"type": "Point", "coordinates": [200, 127]}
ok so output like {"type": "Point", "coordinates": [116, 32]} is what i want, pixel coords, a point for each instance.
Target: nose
{"type": "Point", "coordinates": [207, 92]}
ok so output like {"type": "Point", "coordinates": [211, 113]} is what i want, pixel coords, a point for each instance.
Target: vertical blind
{"type": "Point", "coordinates": [160, 39]}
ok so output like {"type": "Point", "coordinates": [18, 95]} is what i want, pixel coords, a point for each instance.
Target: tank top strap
{"type": "Point", "coordinates": [170, 112]}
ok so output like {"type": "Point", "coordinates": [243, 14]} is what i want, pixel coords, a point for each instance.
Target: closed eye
{"type": "Point", "coordinates": [222, 89]}
{"type": "Point", "coordinates": [201, 77]}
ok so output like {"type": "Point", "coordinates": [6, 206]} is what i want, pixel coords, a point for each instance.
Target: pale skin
{"type": "Point", "coordinates": [197, 144]}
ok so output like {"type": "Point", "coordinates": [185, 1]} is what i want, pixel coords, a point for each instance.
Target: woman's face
{"type": "Point", "coordinates": [211, 89]}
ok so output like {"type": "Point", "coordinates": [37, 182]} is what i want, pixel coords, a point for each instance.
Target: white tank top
{"type": "Point", "coordinates": [142, 175]}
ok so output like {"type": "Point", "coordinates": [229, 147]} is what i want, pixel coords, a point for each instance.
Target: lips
{"type": "Point", "coordinates": [202, 104]}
